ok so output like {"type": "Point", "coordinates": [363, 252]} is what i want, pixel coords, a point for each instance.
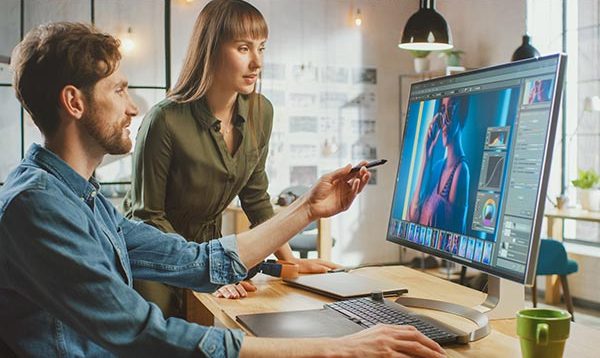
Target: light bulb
{"type": "Point", "coordinates": [358, 18]}
{"type": "Point", "coordinates": [127, 43]}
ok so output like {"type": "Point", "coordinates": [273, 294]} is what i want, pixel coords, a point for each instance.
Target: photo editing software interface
{"type": "Point", "coordinates": [471, 165]}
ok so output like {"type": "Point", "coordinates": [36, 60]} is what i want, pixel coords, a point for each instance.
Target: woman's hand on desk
{"type": "Point", "coordinates": [239, 290]}
{"type": "Point", "coordinates": [389, 341]}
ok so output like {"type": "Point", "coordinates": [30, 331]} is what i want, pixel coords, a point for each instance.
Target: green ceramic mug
{"type": "Point", "coordinates": [543, 332]}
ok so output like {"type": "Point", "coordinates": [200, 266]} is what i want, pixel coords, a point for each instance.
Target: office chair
{"type": "Point", "coordinates": [306, 240]}
{"type": "Point", "coordinates": [553, 260]}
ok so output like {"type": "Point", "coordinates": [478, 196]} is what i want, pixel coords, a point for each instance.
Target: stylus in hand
{"type": "Point", "coordinates": [368, 165]}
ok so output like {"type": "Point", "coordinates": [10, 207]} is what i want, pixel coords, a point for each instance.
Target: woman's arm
{"type": "Point", "coordinates": [459, 194]}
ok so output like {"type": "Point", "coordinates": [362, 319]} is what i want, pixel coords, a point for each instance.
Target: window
{"type": "Point", "coordinates": [147, 66]}
{"type": "Point", "coordinates": [573, 26]}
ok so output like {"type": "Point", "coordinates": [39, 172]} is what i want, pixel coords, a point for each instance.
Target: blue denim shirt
{"type": "Point", "coordinates": [67, 263]}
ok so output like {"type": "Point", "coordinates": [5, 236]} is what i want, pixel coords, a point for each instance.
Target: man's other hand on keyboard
{"type": "Point", "coordinates": [389, 341]}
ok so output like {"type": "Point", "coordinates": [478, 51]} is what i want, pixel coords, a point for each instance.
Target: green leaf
{"type": "Point", "coordinates": [587, 179]}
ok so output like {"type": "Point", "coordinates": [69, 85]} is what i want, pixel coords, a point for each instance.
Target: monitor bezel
{"type": "Point", "coordinates": [530, 267]}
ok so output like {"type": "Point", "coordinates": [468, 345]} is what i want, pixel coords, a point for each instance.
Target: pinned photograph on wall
{"type": "Point", "coordinates": [365, 100]}
{"type": "Point", "coordinates": [538, 91]}
{"type": "Point", "coordinates": [304, 152]}
{"type": "Point", "coordinates": [302, 100]}
{"type": "Point", "coordinates": [306, 73]}
{"type": "Point", "coordinates": [363, 151]}
{"type": "Point", "coordinates": [329, 124]}
{"type": "Point", "coordinates": [333, 99]}
{"type": "Point", "coordinates": [363, 127]}
{"type": "Point", "coordinates": [332, 74]}
{"type": "Point", "coordinates": [273, 71]}
{"type": "Point", "coordinates": [364, 76]}
{"type": "Point", "coordinates": [303, 175]}
{"type": "Point", "coordinates": [307, 124]}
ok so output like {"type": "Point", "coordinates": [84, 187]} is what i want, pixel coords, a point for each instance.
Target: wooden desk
{"type": "Point", "coordinates": [273, 295]}
{"type": "Point", "coordinates": [324, 242]}
{"type": "Point", "coordinates": [555, 224]}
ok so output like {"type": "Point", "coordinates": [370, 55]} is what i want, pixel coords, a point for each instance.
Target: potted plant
{"type": "Point", "coordinates": [588, 185]}
{"type": "Point", "coordinates": [452, 56]}
{"type": "Point", "coordinates": [420, 60]}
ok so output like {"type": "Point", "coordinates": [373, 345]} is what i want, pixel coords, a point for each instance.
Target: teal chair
{"type": "Point", "coordinates": [553, 260]}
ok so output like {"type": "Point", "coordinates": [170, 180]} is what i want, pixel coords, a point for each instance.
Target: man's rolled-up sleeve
{"type": "Point", "coordinates": [169, 258]}
{"type": "Point", "coordinates": [225, 263]}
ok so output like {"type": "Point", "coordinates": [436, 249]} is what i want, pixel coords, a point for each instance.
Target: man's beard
{"type": "Point", "coordinates": [109, 137]}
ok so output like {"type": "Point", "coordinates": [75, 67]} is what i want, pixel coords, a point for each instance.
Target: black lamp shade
{"type": "Point", "coordinates": [525, 50]}
{"type": "Point", "coordinates": [426, 30]}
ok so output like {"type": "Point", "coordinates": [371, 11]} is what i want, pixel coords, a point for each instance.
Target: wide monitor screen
{"type": "Point", "coordinates": [474, 166]}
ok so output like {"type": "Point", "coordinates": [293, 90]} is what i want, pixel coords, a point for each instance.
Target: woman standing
{"type": "Point", "coordinates": [207, 142]}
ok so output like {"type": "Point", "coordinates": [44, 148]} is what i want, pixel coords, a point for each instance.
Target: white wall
{"type": "Point", "coordinates": [487, 30]}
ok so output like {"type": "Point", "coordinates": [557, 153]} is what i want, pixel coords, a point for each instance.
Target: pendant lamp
{"type": "Point", "coordinates": [426, 30]}
{"type": "Point", "coordinates": [525, 50]}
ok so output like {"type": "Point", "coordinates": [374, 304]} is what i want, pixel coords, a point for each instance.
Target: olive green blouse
{"type": "Point", "coordinates": [184, 177]}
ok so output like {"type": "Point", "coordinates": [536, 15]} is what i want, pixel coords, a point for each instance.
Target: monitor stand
{"type": "Point", "coordinates": [503, 300]}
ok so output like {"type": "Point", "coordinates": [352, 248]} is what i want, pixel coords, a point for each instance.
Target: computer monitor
{"type": "Point", "coordinates": [474, 166]}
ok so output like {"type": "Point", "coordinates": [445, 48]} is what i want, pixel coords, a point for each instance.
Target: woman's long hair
{"type": "Point", "coordinates": [219, 21]}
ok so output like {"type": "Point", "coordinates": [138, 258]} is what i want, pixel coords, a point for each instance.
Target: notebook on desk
{"type": "Point", "coordinates": [343, 285]}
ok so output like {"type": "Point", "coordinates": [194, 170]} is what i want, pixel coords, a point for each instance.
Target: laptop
{"type": "Point", "coordinates": [343, 285]}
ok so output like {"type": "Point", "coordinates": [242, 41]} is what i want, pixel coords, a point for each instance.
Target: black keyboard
{"type": "Point", "coordinates": [368, 312]}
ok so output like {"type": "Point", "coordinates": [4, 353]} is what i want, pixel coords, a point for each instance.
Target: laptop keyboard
{"type": "Point", "coordinates": [367, 312]}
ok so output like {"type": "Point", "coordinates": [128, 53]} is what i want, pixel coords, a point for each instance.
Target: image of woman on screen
{"type": "Point", "coordinates": [440, 198]}
{"type": "Point", "coordinates": [536, 95]}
